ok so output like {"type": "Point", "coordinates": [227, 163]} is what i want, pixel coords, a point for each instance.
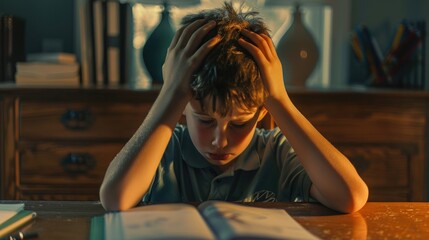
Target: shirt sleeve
{"type": "Point", "coordinates": [164, 187]}
{"type": "Point", "coordinates": [294, 182]}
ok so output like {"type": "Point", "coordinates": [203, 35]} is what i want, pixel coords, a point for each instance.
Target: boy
{"type": "Point", "coordinates": [223, 74]}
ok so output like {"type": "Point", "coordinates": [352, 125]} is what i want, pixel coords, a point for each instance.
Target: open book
{"type": "Point", "coordinates": [210, 220]}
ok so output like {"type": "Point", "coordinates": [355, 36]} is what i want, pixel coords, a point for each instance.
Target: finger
{"type": "Point", "coordinates": [202, 52]}
{"type": "Point", "coordinates": [198, 36]}
{"type": "Point", "coordinates": [176, 38]}
{"type": "Point", "coordinates": [256, 52]}
{"type": "Point", "coordinates": [270, 44]}
{"type": "Point", "coordinates": [188, 31]}
{"type": "Point", "coordinates": [179, 32]}
{"type": "Point", "coordinates": [259, 41]}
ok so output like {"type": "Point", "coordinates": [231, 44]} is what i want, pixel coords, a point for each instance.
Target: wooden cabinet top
{"type": "Point", "coordinates": [12, 89]}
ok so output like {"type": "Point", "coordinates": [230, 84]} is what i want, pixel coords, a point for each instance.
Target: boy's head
{"type": "Point", "coordinates": [228, 76]}
{"type": "Point", "coordinates": [228, 90]}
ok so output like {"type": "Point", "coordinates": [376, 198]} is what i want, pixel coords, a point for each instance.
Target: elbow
{"type": "Point", "coordinates": [112, 201]}
{"type": "Point", "coordinates": [348, 200]}
{"type": "Point", "coordinates": [356, 200]}
{"type": "Point", "coordinates": [108, 200]}
{"type": "Point", "coordinates": [117, 198]}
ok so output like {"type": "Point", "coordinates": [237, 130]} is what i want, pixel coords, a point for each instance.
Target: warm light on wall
{"type": "Point", "coordinates": [324, 21]}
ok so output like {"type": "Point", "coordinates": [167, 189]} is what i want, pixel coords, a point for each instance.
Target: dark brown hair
{"type": "Point", "coordinates": [229, 74]}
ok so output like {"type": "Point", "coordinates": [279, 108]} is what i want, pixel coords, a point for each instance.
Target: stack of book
{"type": "Point", "coordinates": [12, 46]}
{"type": "Point", "coordinates": [48, 69]}
{"type": "Point", "coordinates": [401, 64]}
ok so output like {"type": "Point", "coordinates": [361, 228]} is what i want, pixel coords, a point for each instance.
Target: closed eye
{"type": "Point", "coordinates": [206, 121]}
{"type": "Point", "coordinates": [239, 124]}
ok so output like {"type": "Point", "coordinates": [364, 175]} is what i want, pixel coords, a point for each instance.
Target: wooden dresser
{"type": "Point", "coordinates": [57, 143]}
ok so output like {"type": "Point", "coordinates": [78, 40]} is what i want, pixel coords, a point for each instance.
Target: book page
{"type": "Point", "coordinates": [234, 221]}
{"type": "Point", "coordinates": [161, 221]}
{"type": "Point", "coordinates": [9, 210]}
{"type": "Point", "coordinates": [5, 215]}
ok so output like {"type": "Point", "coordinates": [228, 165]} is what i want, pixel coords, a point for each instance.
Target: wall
{"type": "Point", "coordinates": [42, 25]}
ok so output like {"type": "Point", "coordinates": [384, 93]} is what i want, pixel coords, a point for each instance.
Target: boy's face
{"type": "Point", "coordinates": [220, 139]}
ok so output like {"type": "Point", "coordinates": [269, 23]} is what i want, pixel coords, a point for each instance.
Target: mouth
{"type": "Point", "coordinates": [219, 157]}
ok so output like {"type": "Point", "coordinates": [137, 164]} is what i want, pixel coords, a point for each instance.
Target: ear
{"type": "Point", "coordinates": [265, 121]}
{"type": "Point", "coordinates": [262, 112]}
{"type": "Point", "coordinates": [185, 109]}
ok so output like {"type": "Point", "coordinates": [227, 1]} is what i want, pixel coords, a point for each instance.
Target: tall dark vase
{"type": "Point", "coordinates": [155, 49]}
{"type": "Point", "coordinates": [297, 51]}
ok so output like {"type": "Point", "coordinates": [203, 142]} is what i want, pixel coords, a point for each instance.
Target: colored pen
{"type": "Point", "coordinates": [21, 236]}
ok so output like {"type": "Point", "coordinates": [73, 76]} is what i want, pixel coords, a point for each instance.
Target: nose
{"type": "Point", "coordinates": [220, 139]}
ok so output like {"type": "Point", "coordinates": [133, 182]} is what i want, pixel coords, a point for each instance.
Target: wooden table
{"type": "Point", "coordinates": [377, 220]}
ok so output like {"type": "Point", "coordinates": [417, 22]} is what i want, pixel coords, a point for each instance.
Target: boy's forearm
{"type": "Point", "coordinates": [129, 175]}
{"type": "Point", "coordinates": [335, 181]}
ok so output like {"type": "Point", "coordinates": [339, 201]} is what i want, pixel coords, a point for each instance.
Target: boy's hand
{"type": "Point", "coordinates": [264, 52]}
{"type": "Point", "coordinates": [184, 57]}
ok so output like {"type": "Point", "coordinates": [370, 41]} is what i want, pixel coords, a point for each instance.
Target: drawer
{"type": "Point", "coordinates": [83, 120]}
{"type": "Point", "coordinates": [356, 121]}
{"type": "Point", "coordinates": [385, 167]}
{"type": "Point", "coordinates": [381, 165]}
{"type": "Point", "coordinates": [72, 165]}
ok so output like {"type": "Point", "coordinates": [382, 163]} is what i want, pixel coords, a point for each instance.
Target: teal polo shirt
{"type": "Point", "coordinates": [267, 171]}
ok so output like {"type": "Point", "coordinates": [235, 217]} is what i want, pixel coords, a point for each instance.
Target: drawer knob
{"type": "Point", "coordinates": [77, 119]}
{"type": "Point", "coordinates": [78, 163]}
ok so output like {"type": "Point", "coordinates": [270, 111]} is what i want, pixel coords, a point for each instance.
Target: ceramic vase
{"type": "Point", "coordinates": [155, 48]}
{"type": "Point", "coordinates": [298, 52]}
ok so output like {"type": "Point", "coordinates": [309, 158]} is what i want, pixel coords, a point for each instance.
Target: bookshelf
{"type": "Point", "coordinates": [383, 18]}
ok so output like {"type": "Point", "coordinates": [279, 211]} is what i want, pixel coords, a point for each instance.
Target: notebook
{"type": "Point", "coordinates": [13, 216]}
